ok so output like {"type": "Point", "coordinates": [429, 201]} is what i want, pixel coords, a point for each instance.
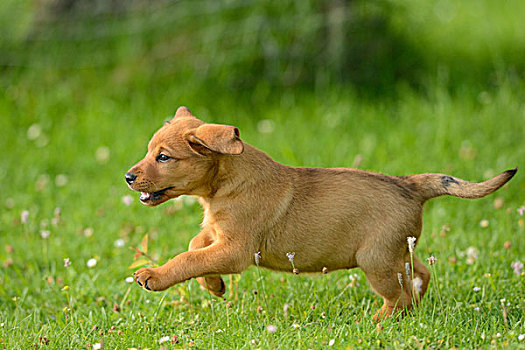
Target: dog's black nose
{"type": "Point", "coordinates": [130, 178]}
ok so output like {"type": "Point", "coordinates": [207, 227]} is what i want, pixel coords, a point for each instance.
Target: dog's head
{"type": "Point", "coordinates": [182, 158]}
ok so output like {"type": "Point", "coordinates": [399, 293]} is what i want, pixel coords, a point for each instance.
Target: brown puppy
{"type": "Point", "coordinates": [331, 218]}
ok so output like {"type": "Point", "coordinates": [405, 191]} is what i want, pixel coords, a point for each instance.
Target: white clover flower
{"type": "Point", "coordinates": [119, 243]}
{"type": "Point", "coordinates": [61, 180]}
{"type": "Point", "coordinates": [91, 262]}
{"type": "Point", "coordinates": [24, 217]}
{"type": "Point", "coordinates": [164, 339]}
{"type": "Point", "coordinates": [411, 243]}
{"type": "Point", "coordinates": [517, 266]}
{"type": "Point", "coordinates": [484, 223]}
{"type": "Point", "coordinates": [97, 346]}
{"type": "Point", "coordinates": [127, 200]}
{"type": "Point", "coordinates": [331, 342]}
{"type": "Point", "coordinates": [129, 279]}
{"type": "Point", "coordinates": [266, 126]}
{"type": "Point", "coordinates": [521, 337]}
{"type": "Point", "coordinates": [271, 328]}
{"type": "Point", "coordinates": [45, 234]}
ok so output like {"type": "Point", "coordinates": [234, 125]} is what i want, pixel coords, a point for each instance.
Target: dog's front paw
{"type": "Point", "coordinates": [151, 279]}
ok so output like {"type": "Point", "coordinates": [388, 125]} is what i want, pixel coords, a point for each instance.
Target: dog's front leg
{"type": "Point", "coordinates": [219, 258]}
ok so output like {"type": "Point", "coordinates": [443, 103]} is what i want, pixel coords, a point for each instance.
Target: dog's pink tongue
{"type": "Point", "coordinates": [144, 196]}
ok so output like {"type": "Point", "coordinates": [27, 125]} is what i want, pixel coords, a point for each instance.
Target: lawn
{"type": "Point", "coordinates": [70, 228]}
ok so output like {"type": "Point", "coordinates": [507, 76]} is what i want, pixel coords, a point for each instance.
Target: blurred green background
{"type": "Point", "coordinates": [398, 87]}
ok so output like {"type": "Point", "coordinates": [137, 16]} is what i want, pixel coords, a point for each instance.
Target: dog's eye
{"type": "Point", "coordinates": [162, 158]}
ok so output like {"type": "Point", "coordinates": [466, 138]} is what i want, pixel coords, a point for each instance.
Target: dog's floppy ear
{"type": "Point", "coordinates": [182, 112]}
{"type": "Point", "coordinates": [217, 138]}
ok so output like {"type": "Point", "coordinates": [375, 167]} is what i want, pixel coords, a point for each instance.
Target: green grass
{"type": "Point", "coordinates": [470, 134]}
{"type": "Point", "coordinates": [399, 88]}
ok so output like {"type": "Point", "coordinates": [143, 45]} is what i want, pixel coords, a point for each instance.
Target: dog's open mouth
{"type": "Point", "coordinates": [154, 196]}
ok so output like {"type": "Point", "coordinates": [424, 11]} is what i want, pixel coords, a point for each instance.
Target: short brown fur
{"type": "Point", "coordinates": [331, 218]}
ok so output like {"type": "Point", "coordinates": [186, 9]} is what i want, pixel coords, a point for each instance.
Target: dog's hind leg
{"type": "Point", "coordinates": [390, 282]}
{"type": "Point", "coordinates": [420, 279]}
{"type": "Point", "coordinates": [214, 284]}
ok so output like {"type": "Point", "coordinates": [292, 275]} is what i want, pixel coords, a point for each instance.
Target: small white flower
{"type": "Point", "coordinates": [484, 223]}
{"type": "Point", "coordinates": [476, 289]}
{"type": "Point", "coordinates": [432, 260]}
{"type": "Point", "coordinates": [407, 269]}
{"type": "Point", "coordinates": [97, 346]}
{"type": "Point", "coordinates": [521, 337]}
{"type": "Point", "coordinates": [476, 308]}
{"type": "Point", "coordinates": [34, 131]}
{"type": "Point", "coordinates": [148, 301]}
{"type": "Point", "coordinates": [24, 217]}
{"type": "Point", "coordinates": [400, 279]}
{"type": "Point", "coordinates": [295, 326]}
{"type": "Point", "coordinates": [2, 324]}
{"type": "Point", "coordinates": [127, 200]}
{"type": "Point", "coordinates": [521, 210]}
{"type": "Point", "coordinates": [67, 262]}
{"type": "Point", "coordinates": [102, 154]}
{"type": "Point", "coordinates": [498, 335]}
{"type": "Point", "coordinates": [119, 243]}
{"type": "Point", "coordinates": [164, 339]}
{"type": "Point", "coordinates": [61, 180]}
{"type": "Point", "coordinates": [517, 266]}
{"type": "Point", "coordinates": [411, 244]}
{"type": "Point", "coordinates": [417, 283]}
{"type": "Point", "coordinates": [91, 262]}
{"type": "Point", "coordinates": [331, 342]}
{"type": "Point", "coordinates": [45, 234]}
{"type": "Point", "coordinates": [266, 126]}
{"type": "Point", "coordinates": [290, 256]}
{"type": "Point", "coordinates": [257, 257]}
{"type": "Point", "coordinates": [129, 279]}
{"type": "Point", "coordinates": [271, 328]}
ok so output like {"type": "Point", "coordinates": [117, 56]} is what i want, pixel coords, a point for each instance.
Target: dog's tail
{"type": "Point", "coordinates": [428, 186]}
